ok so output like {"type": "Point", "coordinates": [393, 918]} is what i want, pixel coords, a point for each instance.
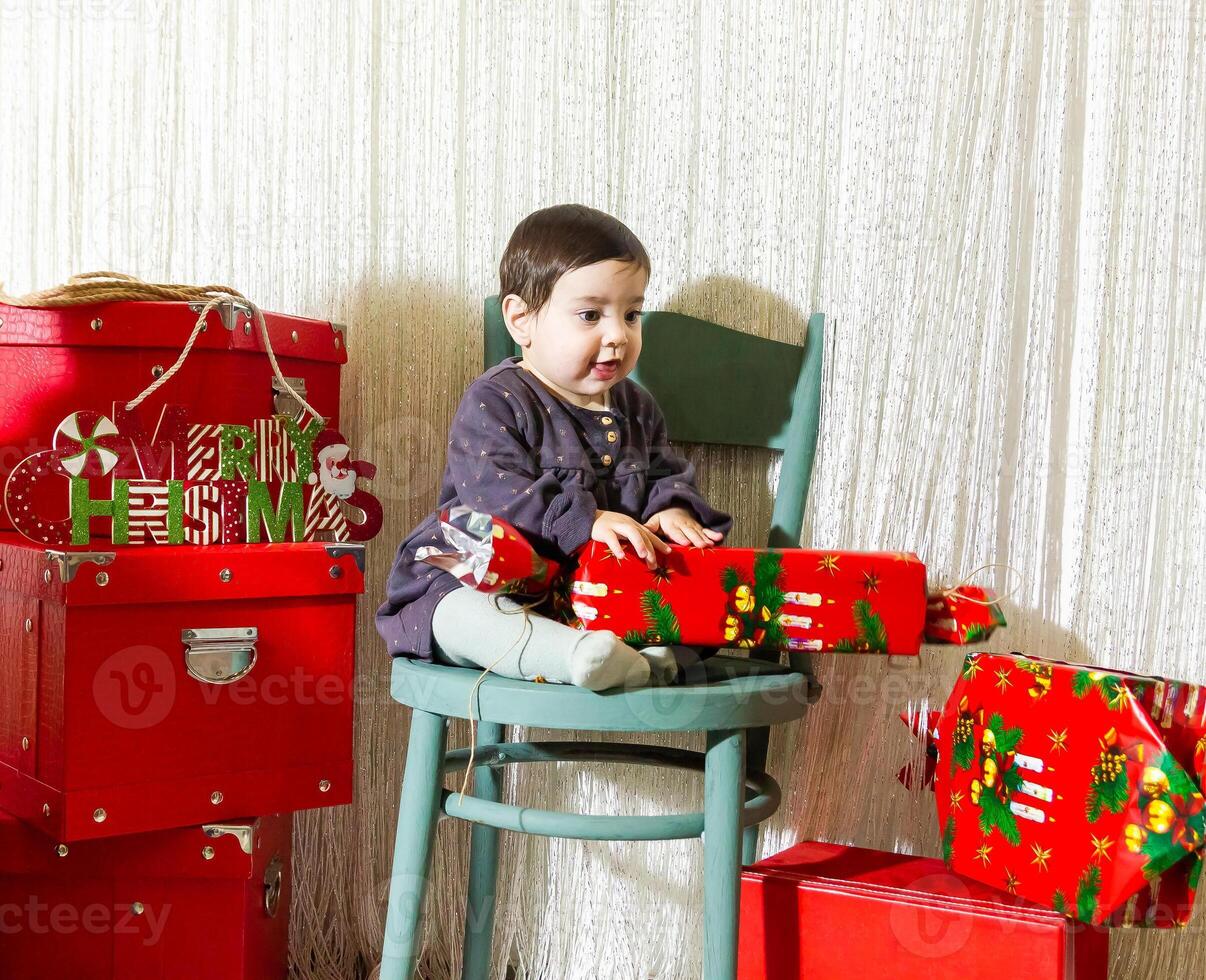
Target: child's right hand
{"type": "Point", "coordinates": [610, 526]}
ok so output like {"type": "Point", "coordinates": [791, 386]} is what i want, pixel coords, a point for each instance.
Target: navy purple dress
{"type": "Point", "coordinates": [517, 451]}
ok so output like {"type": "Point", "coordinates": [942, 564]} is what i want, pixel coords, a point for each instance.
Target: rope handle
{"type": "Point", "coordinates": [89, 288]}
{"type": "Point", "coordinates": [953, 591]}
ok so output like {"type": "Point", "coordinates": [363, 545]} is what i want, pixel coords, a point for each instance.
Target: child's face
{"type": "Point", "coordinates": [587, 338]}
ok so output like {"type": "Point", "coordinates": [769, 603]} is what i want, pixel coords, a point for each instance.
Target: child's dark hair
{"type": "Point", "coordinates": [553, 241]}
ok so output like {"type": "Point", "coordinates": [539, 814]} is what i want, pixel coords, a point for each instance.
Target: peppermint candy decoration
{"type": "Point", "coordinates": [81, 446]}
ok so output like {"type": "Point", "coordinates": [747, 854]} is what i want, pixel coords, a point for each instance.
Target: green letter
{"type": "Point", "coordinates": [259, 510]}
{"type": "Point", "coordinates": [84, 508]}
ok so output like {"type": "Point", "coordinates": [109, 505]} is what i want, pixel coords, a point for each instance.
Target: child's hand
{"type": "Point", "coordinates": [681, 527]}
{"type": "Point", "coordinates": [610, 526]}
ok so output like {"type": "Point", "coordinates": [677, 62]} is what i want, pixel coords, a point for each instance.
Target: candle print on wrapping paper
{"type": "Point", "coordinates": [1077, 788]}
{"type": "Point", "coordinates": [763, 598]}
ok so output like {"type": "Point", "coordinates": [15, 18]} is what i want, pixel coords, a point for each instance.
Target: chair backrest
{"type": "Point", "coordinates": [719, 385]}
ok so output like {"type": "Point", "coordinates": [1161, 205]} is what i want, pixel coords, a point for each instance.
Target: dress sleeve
{"type": "Point", "coordinates": [672, 481]}
{"type": "Point", "coordinates": [496, 471]}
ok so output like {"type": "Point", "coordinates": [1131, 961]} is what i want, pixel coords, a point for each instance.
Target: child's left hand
{"type": "Point", "coordinates": [680, 526]}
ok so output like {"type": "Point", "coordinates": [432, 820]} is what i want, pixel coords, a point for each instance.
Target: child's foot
{"type": "Point", "coordinates": [663, 665]}
{"type": "Point", "coordinates": [601, 661]}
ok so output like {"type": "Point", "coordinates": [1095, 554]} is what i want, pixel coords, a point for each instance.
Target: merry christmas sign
{"type": "Point", "coordinates": [274, 480]}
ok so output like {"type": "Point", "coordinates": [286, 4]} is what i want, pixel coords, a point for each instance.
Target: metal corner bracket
{"type": "Point", "coordinates": [69, 562]}
{"type": "Point", "coordinates": [355, 549]}
{"type": "Point", "coordinates": [244, 833]}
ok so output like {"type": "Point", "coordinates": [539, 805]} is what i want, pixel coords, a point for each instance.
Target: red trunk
{"type": "Point", "coordinates": [113, 720]}
{"type": "Point", "coordinates": [58, 361]}
{"type": "Point", "coordinates": [186, 904]}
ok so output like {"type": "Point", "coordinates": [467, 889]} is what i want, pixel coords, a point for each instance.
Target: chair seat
{"type": "Point", "coordinates": [730, 693]}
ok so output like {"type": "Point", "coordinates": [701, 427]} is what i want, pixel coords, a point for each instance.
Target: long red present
{"type": "Point", "coordinates": [1078, 788]}
{"type": "Point", "coordinates": [769, 598]}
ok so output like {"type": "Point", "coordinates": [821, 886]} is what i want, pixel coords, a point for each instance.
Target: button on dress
{"type": "Point", "coordinates": [517, 451]}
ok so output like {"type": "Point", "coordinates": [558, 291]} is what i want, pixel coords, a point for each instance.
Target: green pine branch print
{"type": "Point", "coordinates": [1082, 683]}
{"type": "Point", "coordinates": [1007, 739]}
{"type": "Point", "coordinates": [1087, 892]}
{"type": "Point", "coordinates": [663, 626]}
{"type": "Point", "coordinates": [1112, 690]}
{"type": "Point", "coordinates": [1107, 795]}
{"type": "Point", "coordinates": [1059, 902]}
{"type": "Point", "coordinates": [1179, 782]}
{"type": "Point", "coordinates": [964, 755]}
{"type": "Point", "coordinates": [870, 627]}
{"type": "Point", "coordinates": [948, 840]}
{"type": "Point", "coordinates": [730, 578]}
{"type": "Point", "coordinates": [996, 815]}
{"type": "Point", "coordinates": [1161, 854]}
{"type": "Point", "coordinates": [768, 567]}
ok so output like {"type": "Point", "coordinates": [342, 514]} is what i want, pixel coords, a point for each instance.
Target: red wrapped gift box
{"type": "Point", "coordinates": [771, 598]}
{"type": "Point", "coordinates": [55, 362]}
{"type": "Point", "coordinates": [819, 911]}
{"type": "Point", "coordinates": [968, 614]}
{"type": "Point", "coordinates": [1077, 788]}
{"type": "Point", "coordinates": [487, 553]}
{"type": "Point", "coordinates": [151, 687]}
{"type": "Point", "coordinates": [185, 904]}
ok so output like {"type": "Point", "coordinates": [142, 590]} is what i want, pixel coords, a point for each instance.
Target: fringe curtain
{"type": "Point", "coordinates": [999, 205]}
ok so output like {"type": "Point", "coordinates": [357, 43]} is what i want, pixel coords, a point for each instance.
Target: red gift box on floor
{"type": "Point", "coordinates": [771, 598]}
{"type": "Point", "coordinates": [185, 904]}
{"type": "Point", "coordinates": [151, 687]}
{"type": "Point", "coordinates": [818, 911]}
{"type": "Point", "coordinates": [1078, 788]}
{"type": "Point", "coordinates": [56, 362]}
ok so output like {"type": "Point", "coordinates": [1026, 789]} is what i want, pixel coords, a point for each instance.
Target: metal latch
{"type": "Point", "coordinates": [228, 310]}
{"type": "Point", "coordinates": [219, 656]}
{"type": "Point", "coordinates": [284, 403]}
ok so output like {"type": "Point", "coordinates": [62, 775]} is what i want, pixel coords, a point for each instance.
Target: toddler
{"type": "Point", "coordinates": [561, 443]}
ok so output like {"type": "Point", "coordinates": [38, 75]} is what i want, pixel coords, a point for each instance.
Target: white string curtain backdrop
{"type": "Point", "coordinates": [1000, 207]}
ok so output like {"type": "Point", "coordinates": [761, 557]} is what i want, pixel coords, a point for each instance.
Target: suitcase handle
{"type": "Point", "coordinates": [219, 656]}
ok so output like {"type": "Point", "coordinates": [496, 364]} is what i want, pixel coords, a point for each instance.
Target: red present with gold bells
{"type": "Point", "coordinates": [487, 553]}
{"type": "Point", "coordinates": [769, 598]}
{"type": "Point", "coordinates": [1077, 788]}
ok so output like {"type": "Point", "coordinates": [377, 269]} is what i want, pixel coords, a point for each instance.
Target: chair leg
{"type": "Point", "coordinates": [483, 865]}
{"type": "Point", "coordinates": [724, 796]}
{"type": "Point", "coordinates": [418, 813]}
{"type": "Point", "coordinates": [749, 843]}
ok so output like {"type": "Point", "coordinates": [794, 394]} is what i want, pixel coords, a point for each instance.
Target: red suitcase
{"type": "Point", "coordinates": [151, 687]}
{"type": "Point", "coordinates": [825, 910]}
{"type": "Point", "coordinates": [187, 904]}
{"type": "Point", "coordinates": [55, 362]}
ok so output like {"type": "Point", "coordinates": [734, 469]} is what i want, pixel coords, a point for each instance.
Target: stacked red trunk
{"type": "Point", "coordinates": [163, 708]}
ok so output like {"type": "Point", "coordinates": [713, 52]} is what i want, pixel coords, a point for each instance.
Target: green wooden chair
{"type": "Point", "coordinates": [760, 393]}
